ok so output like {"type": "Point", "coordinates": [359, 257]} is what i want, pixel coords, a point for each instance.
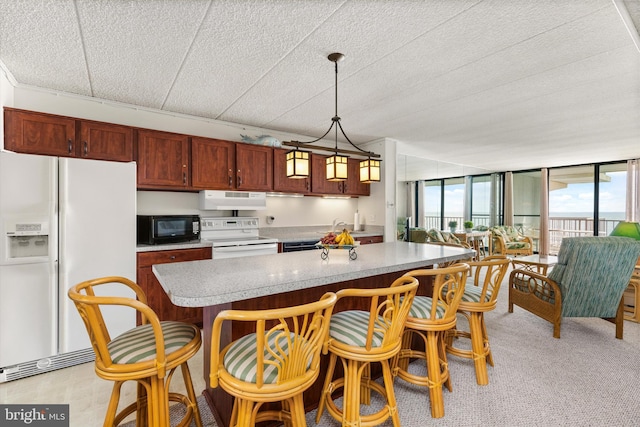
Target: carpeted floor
{"type": "Point", "coordinates": [586, 378]}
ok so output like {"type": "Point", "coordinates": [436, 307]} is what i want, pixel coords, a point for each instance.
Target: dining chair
{"type": "Point", "coordinates": [276, 363]}
{"type": "Point", "coordinates": [424, 337]}
{"type": "Point", "coordinates": [480, 296]}
{"type": "Point", "coordinates": [362, 337]}
{"type": "Point", "coordinates": [148, 354]}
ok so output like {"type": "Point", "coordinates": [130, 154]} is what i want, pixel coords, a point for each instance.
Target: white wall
{"type": "Point", "coordinates": [288, 211]}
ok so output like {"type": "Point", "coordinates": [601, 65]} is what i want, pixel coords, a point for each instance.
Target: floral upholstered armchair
{"type": "Point", "coordinates": [446, 238]}
{"type": "Point", "coordinates": [506, 240]}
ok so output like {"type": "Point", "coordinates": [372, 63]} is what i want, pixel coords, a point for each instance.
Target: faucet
{"type": "Point", "coordinates": [335, 224]}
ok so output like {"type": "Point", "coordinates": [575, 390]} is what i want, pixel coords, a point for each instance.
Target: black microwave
{"type": "Point", "coordinates": [161, 229]}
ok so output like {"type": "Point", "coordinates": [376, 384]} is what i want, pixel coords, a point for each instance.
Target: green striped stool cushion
{"type": "Point", "coordinates": [350, 327]}
{"type": "Point", "coordinates": [241, 358]}
{"type": "Point", "coordinates": [473, 293]}
{"type": "Point", "coordinates": [421, 308]}
{"type": "Point", "coordinates": [139, 344]}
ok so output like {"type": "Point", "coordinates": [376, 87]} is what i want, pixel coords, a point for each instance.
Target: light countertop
{"type": "Point", "coordinates": [213, 282]}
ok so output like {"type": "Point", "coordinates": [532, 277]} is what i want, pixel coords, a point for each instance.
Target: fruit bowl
{"type": "Point", "coordinates": [326, 249]}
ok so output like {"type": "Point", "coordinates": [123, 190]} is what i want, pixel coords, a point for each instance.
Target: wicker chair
{"type": "Point", "coordinates": [506, 240]}
{"type": "Point", "coordinates": [277, 363]}
{"type": "Point", "coordinates": [479, 297]}
{"type": "Point", "coordinates": [589, 281]}
{"type": "Point", "coordinates": [360, 338]}
{"type": "Point", "coordinates": [429, 319]}
{"type": "Point", "coordinates": [148, 354]}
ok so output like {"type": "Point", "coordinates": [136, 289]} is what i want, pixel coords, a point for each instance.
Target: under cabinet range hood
{"type": "Point", "coordinates": [222, 200]}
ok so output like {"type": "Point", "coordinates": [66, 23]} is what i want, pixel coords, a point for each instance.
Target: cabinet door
{"type": "Point", "coordinates": [352, 186]}
{"type": "Point", "coordinates": [39, 133]}
{"type": "Point", "coordinates": [254, 167]}
{"type": "Point", "coordinates": [157, 298]}
{"type": "Point", "coordinates": [319, 183]}
{"type": "Point", "coordinates": [163, 160]}
{"type": "Point", "coordinates": [105, 141]}
{"type": "Point", "coordinates": [369, 240]}
{"type": "Point", "coordinates": [213, 162]}
{"type": "Point", "coordinates": [280, 180]}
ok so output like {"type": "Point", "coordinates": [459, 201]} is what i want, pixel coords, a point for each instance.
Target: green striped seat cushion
{"type": "Point", "coordinates": [241, 360]}
{"type": "Point", "coordinates": [139, 344]}
{"type": "Point", "coordinates": [473, 293]}
{"type": "Point", "coordinates": [350, 327]}
{"type": "Point", "coordinates": [421, 308]}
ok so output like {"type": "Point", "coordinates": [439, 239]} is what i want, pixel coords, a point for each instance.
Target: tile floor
{"type": "Point", "coordinates": [86, 394]}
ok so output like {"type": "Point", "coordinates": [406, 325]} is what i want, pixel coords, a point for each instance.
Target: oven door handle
{"type": "Point", "coordinates": [242, 248]}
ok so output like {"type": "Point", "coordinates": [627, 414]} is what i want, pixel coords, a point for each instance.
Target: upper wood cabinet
{"type": "Point", "coordinates": [254, 167]}
{"type": "Point", "coordinates": [280, 180]}
{"type": "Point", "coordinates": [213, 163]}
{"type": "Point", "coordinates": [351, 187]}
{"type": "Point", "coordinates": [105, 141]}
{"type": "Point", "coordinates": [52, 135]}
{"type": "Point", "coordinates": [38, 133]}
{"type": "Point", "coordinates": [222, 165]}
{"type": "Point", "coordinates": [163, 160]}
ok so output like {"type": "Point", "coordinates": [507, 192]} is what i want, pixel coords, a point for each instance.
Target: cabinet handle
{"type": "Point", "coordinates": [70, 146]}
{"type": "Point", "coordinates": [230, 179]}
{"type": "Point", "coordinates": [184, 178]}
{"type": "Point", "coordinates": [86, 148]}
{"type": "Point", "coordinates": [239, 179]}
{"type": "Point", "coordinates": [172, 257]}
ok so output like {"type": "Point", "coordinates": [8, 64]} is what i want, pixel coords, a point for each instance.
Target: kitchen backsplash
{"type": "Point", "coordinates": [286, 211]}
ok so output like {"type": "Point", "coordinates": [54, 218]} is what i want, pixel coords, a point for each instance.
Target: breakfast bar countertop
{"type": "Point", "coordinates": [212, 282]}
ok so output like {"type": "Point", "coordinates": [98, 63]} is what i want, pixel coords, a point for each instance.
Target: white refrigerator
{"type": "Point", "coordinates": [62, 221]}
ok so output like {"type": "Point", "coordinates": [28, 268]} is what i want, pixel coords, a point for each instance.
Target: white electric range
{"type": "Point", "coordinates": [234, 237]}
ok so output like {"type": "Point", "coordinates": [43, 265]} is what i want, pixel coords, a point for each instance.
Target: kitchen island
{"type": "Point", "coordinates": [281, 280]}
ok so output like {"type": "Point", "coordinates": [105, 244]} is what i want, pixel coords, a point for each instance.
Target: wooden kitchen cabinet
{"type": "Point", "coordinates": [105, 141]}
{"type": "Point", "coordinates": [163, 160]}
{"type": "Point", "coordinates": [157, 298]}
{"type": "Point", "coordinates": [351, 187]}
{"type": "Point", "coordinates": [39, 133]}
{"type": "Point", "coordinates": [280, 180]}
{"type": "Point", "coordinates": [213, 163]}
{"type": "Point", "coordinates": [52, 135]}
{"type": "Point", "coordinates": [223, 165]}
{"type": "Point", "coordinates": [369, 239]}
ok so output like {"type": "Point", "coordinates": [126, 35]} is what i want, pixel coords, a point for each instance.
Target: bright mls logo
{"type": "Point", "coordinates": [34, 415]}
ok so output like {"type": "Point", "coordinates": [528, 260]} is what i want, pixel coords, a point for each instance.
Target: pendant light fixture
{"type": "Point", "coordinates": [336, 164]}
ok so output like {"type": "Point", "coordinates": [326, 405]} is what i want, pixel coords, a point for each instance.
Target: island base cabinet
{"type": "Point", "coordinates": [157, 298]}
{"type": "Point", "coordinates": [220, 402]}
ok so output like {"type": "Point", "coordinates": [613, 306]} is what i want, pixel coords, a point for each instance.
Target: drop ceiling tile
{"type": "Point", "coordinates": [40, 45]}
{"type": "Point", "coordinates": [239, 44]}
{"type": "Point", "coordinates": [135, 48]}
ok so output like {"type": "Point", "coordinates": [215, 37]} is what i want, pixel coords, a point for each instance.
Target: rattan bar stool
{"type": "Point", "coordinates": [277, 363]}
{"type": "Point", "coordinates": [360, 338]}
{"type": "Point", "coordinates": [148, 354]}
{"type": "Point", "coordinates": [479, 297]}
{"type": "Point", "coordinates": [429, 319]}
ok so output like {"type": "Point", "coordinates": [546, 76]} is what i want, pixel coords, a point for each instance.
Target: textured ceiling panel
{"type": "Point", "coordinates": [241, 43]}
{"type": "Point", "coordinates": [41, 46]}
{"type": "Point", "coordinates": [135, 49]}
{"type": "Point", "coordinates": [549, 82]}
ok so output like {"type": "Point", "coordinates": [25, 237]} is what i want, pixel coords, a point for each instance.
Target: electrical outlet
{"type": "Point", "coordinates": [372, 218]}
